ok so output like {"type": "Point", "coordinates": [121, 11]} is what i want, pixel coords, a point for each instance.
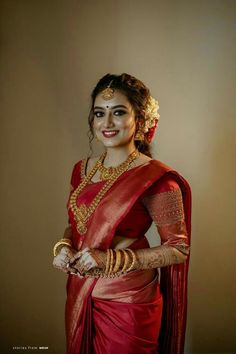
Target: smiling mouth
{"type": "Point", "coordinates": [110, 133]}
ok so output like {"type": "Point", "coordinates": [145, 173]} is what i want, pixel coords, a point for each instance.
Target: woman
{"type": "Point", "coordinates": [115, 301]}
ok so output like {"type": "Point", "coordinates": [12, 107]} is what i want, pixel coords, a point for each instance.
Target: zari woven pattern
{"type": "Point", "coordinates": [165, 208]}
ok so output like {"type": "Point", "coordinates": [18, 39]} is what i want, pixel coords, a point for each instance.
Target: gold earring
{"type": "Point", "coordinates": [139, 135]}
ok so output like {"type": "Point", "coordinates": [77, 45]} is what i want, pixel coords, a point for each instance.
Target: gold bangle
{"type": "Point", "coordinates": [57, 245]}
{"type": "Point", "coordinates": [118, 261]}
{"type": "Point", "coordinates": [107, 261]}
{"type": "Point", "coordinates": [111, 261]}
{"type": "Point", "coordinates": [66, 240]}
{"type": "Point", "coordinates": [126, 260]}
{"type": "Point", "coordinates": [133, 259]}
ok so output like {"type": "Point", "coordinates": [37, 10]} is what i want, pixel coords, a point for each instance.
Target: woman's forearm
{"type": "Point", "coordinates": [160, 256]}
{"type": "Point", "coordinates": [68, 232]}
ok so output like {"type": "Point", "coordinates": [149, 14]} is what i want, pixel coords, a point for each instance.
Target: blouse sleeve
{"type": "Point", "coordinates": [75, 179]}
{"type": "Point", "coordinates": [164, 203]}
{"type": "Point", "coordinates": [77, 174]}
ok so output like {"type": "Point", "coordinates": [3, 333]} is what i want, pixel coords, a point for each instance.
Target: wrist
{"type": "Point", "coordinates": [117, 262]}
{"type": "Point", "coordinates": [61, 243]}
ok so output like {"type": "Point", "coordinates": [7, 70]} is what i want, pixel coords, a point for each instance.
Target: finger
{"type": "Point", "coordinates": [87, 262]}
{"type": "Point", "coordinates": [89, 265]}
{"type": "Point", "coordinates": [71, 269]}
{"type": "Point", "coordinates": [61, 263]}
{"type": "Point", "coordinates": [78, 255]}
{"type": "Point", "coordinates": [79, 263]}
{"type": "Point", "coordinates": [82, 262]}
{"type": "Point", "coordinates": [75, 257]}
{"type": "Point", "coordinates": [90, 261]}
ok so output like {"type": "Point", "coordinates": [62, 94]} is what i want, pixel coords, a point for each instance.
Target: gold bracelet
{"type": "Point", "coordinates": [111, 262]}
{"type": "Point", "coordinates": [126, 260]}
{"type": "Point", "coordinates": [107, 261]}
{"type": "Point", "coordinates": [118, 261]}
{"type": "Point", "coordinates": [134, 258]}
{"type": "Point", "coordinates": [67, 239]}
{"type": "Point", "coordinates": [112, 273]}
{"type": "Point", "coordinates": [58, 244]}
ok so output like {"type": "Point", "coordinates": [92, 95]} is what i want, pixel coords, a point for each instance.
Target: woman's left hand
{"type": "Point", "coordinates": [87, 259]}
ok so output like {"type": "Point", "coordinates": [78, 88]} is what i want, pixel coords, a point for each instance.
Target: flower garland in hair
{"type": "Point", "coordinates": [151, 118]}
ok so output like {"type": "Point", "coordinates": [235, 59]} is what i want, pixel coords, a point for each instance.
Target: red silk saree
{"type": "Point", "coordinates": [134, 313]}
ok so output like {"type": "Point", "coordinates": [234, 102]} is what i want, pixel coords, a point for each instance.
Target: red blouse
{"type": "Point", "coordinates": [162, 204]}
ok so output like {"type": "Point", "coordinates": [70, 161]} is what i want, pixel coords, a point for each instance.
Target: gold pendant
{"type": "Point", "coordinates": [107, 173]}
{"type": "Point", "coordinates": [82, 212]}
{"type": "Point", "coordinates": [108, 93]}
{"type": "Point", "coordinates": [81, 228]}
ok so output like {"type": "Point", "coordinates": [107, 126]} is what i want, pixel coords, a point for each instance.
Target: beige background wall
{"type": "Point", "coordinates": [52, 54]}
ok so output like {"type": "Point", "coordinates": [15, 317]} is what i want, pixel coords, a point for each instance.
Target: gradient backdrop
{"type": "Point", "coordinates": [52, 54]}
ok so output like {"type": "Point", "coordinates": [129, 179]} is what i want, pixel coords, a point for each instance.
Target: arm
{"type": "Point", "coordinates": [67, 232]}
{"type": "Point", "coordinates": [165, 206]}
{"type": "Point", "coordinates": [64, 251]}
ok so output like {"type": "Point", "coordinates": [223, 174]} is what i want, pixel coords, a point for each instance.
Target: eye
{"type": "Point", "coordinates": [98, 114]}
{"type": "Point", "coordinates": [119, 112]}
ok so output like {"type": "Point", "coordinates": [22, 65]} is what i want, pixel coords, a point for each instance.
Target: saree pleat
{"type": "Point", "coordinates": [124, 327]}
{"type": "Point", "coordinates": [104, 322]}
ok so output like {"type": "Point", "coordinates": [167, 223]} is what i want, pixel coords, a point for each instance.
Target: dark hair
{"type": "Point", "coordinates": [137, 94]}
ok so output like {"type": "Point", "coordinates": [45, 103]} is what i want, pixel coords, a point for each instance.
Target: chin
{"type": "Point", "coordinates": [111, 144]}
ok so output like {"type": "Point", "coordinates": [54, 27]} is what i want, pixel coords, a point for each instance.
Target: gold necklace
{"type": "Point", "coordinates": [83, 212]}
{"type": "Point", "coordinates": [108, 172]}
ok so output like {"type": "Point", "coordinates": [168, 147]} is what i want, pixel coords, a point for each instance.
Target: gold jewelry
{"type": "Point", "coordinates": [134, 258]}
{"type": "Point", "coordinates": [109, 273]}
{"type": "Point", "coordinates": [83, 212]}
{"type": "Point", "coordinates": [139, 135]}
{"type": "Point", "coordinates": [107, 261]}
{"type": "Point", "coordinates": [109, 172]}
{"type": "Point", "coordinates": [118, 261]}
{"type": "Point", "coordinates": [111, 262]}
{"type": "Point", "coordinates": [126, 261]}
{"type": "Point", "coordinates": [108, 93]}
{"type": "Point", "coordinates": [62, 242]}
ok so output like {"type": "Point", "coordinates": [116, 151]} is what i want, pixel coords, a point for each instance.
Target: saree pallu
{"type": "Point", "coordinates": [125, 314]}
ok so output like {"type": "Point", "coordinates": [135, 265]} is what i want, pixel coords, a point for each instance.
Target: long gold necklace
{"type": "Point", "coordinates": [83, 212]}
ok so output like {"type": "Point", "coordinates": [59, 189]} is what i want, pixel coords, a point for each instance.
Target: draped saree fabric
{"type": "Point", "coordinates": [132, 313]}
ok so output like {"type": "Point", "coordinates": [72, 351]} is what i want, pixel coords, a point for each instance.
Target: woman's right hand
{"type": "Point", "coordinates": [61, 260]}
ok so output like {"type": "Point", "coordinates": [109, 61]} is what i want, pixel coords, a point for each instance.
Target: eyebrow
{"type": "Point", "coordinates": [119, 105]}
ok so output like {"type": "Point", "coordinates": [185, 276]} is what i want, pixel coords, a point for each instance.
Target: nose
{"type": "Point", "coordinates": [108, 120]}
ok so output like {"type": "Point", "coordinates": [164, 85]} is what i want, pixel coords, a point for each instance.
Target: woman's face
{"type": "Point", "coordinates": [114, 120]}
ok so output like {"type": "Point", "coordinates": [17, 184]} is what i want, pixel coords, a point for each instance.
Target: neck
{"type": "Point", "coordinates": [117, 155]}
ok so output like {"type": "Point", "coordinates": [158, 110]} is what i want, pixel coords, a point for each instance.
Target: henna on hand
{"type": "Point", "coordinates": [62, 259]}
{"type": "Point", "coordinates": [160, 256]}
{"type": "Point", "coordinates": [88, 259]}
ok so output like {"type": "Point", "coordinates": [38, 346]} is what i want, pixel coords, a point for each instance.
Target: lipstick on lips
{"type": "Point", "coordinates": [110, 133]}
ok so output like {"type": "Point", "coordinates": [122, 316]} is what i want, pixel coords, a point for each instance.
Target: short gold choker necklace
{"type": "Point", "coordinates": [109, 172]}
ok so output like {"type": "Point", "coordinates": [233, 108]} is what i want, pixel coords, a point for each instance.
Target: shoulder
{"type": "Point", "coordinates": [84, 165]}
{"type": "Point", "coordinates": [78, 172]}
{"type": "Point", "coordinates": [170, 179]}
{"type": "Point", "coordinates": [166, 183]}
